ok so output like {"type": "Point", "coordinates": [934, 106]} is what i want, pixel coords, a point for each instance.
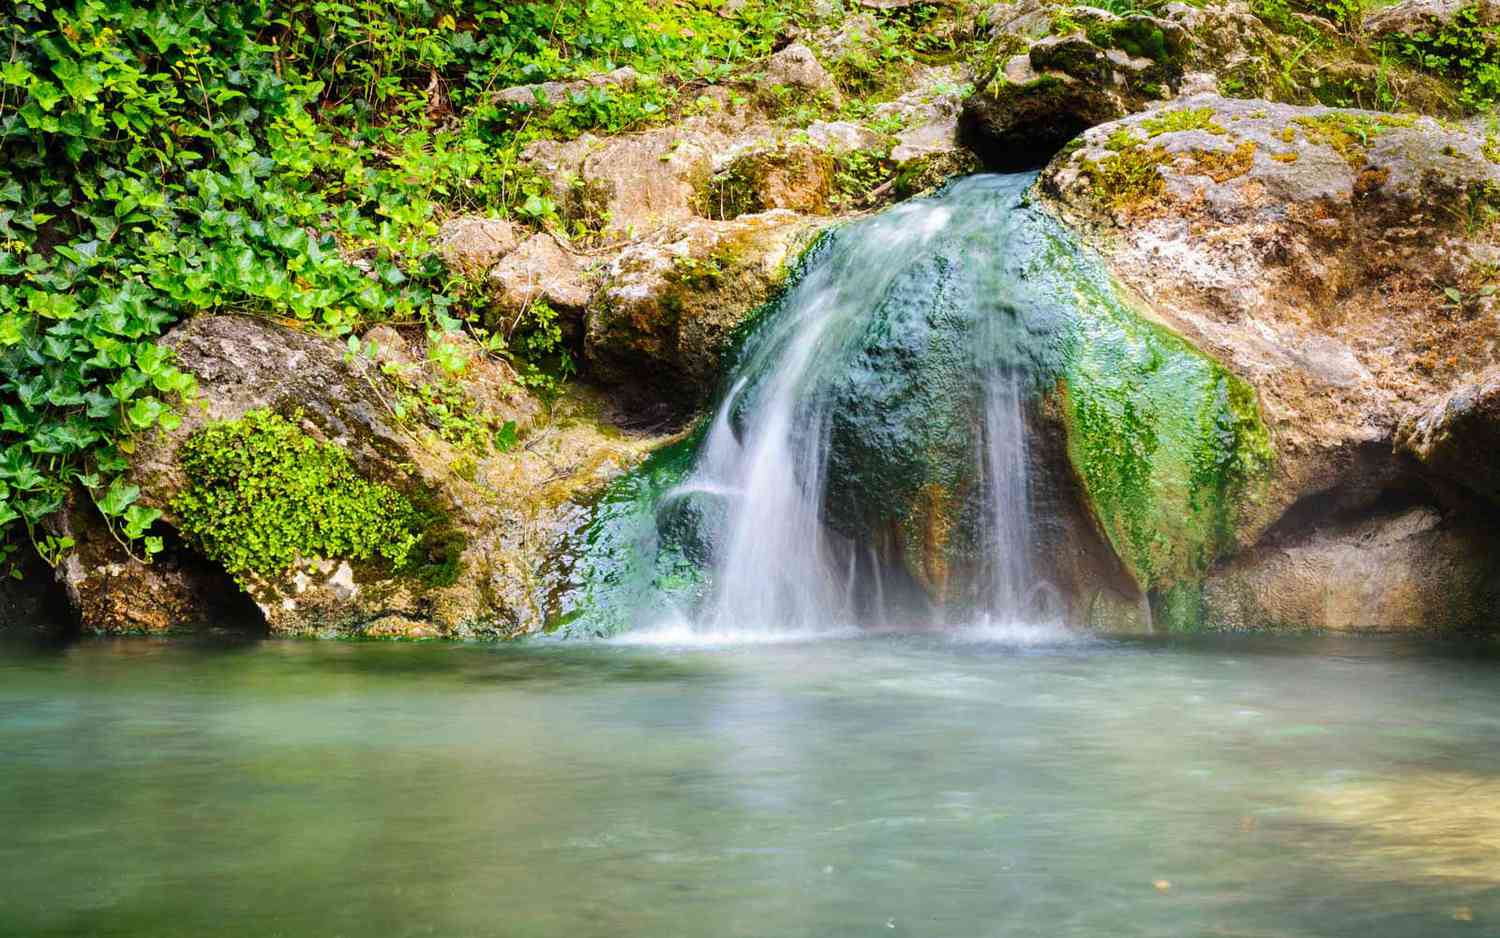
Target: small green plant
{"type": "Point", "coordinates": [1464, 50]}
{"type": "Point", "coordinates": [262, 493]}
{"type": "Point", "coordinates": [857, 174]}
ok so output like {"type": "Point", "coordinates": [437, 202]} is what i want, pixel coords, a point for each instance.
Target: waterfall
{"type": "Point", "coordinates": [787, 553]}
{"type": "Point", "coordinates": [954, 416]}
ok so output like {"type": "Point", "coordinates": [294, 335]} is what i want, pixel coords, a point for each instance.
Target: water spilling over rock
{"type": "Point", "coordinates": [874, 456]}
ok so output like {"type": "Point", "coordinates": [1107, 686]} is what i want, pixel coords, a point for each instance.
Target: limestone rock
{"type": "Point", "coordinates": [668, 306]}
{"type": "Point", "coordinates": [552, 93]}
{"type": "Point", "coordinates": [637, 184]}
{"type": "Point", "coordinates": [539, 270]}
{"type": "Point", "coordinates": [1407, 570]}
{"type": "Point", "coordinates": [496, 515]}
{"type": "Point", "coordinates": [472, 244]}
{"type": "Point", "coordinates": [1411, 17]}
{"type": "Point", "coordinates": [1306, 249]}
{"type": "Point", "coordinates": [797, 177]}
{"type": "Point", "coordinates": [1026, 109]}
{"type": "Point", "coordinates": [630, 185]}
{"type": "Point", "coordinates": [840, 137]}
{"type": "Point", "coordinates": [1458, 436]}
{"type": "Point", "coordinates": [1228, 42]}
{"type": "Point", "coordinates": [797, 67]}
{"type": "Point", "coordinates": [929, 136]}
{"type": "Point", "coordinates": [1302, 248]}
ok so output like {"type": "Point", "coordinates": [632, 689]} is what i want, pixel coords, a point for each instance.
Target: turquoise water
{"type": "Point", "coordinates": [875, 785]}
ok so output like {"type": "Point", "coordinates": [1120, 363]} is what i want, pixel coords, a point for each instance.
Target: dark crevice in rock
{"type": "Point", "coordinates": [35, 603]}
{"type": "Point", "coordinates": [1025, 146]}
{"type": "Point", "coordinates": [221, 605]}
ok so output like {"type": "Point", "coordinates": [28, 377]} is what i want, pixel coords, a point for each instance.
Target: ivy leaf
{"type": "Point", "coordinates": [138, 519]}
{"type": "Point", "coordinates": [118, 497]}
{"type": "Point", "coordinates": [144, 412]}
{"type": "Point", "coordinates": [45, 94]}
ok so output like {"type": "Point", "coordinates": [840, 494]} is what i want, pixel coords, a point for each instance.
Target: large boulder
{"type": "Point", "coordinates": [1307, 249]}
{"type": "Point", "coordinates": [1338, 261]}
{"type": "Point", "coordinates": [442, 443]}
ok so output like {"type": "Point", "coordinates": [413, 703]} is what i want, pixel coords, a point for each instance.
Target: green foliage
{"type": "Point", "coordinates": [276, 157]}
{"type": "Point", "coordinates": [262, 493]}
{"type": "Point", "coordinates": [1464, 51]}
{"type": "Point", "coordinates": [858, 173]}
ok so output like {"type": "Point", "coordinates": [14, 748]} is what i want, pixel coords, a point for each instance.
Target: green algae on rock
{"type": "Point", "coordinates": [1167, 443]}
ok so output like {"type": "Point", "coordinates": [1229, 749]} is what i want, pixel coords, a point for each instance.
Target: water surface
{"type": "Point", "coordinates": [876, 785]}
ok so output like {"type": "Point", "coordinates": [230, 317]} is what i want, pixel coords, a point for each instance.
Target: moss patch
{"type": "Point", "coordinates": [1194, 118]}
{"type": "Point", "coordinates": [1223, 165]}
{"type": "Point", "coordinates": [1168, 444]}
{"type": "Point", "coordinates": [1350, 135]}
{"type": "Point", "coordinates": [1128, 178]}
{"type": "Point", "coordinates": [262, 494]}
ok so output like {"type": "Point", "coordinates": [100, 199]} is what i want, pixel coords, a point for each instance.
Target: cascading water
{"type": "Point", "coordinates": [784, 554]}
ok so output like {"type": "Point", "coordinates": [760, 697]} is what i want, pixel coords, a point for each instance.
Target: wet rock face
{"type": "Point", "coordinates": [1457, 437]}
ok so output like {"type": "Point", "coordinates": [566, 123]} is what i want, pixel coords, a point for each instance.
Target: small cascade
{"type": "Point", "coordinates": [954, 417]}
{"type": "Point", "coordinates": [786, 550]}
